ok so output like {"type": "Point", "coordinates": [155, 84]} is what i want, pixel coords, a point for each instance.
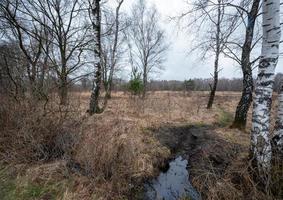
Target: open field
{"type": "Point", "coordinates": [115, 152]}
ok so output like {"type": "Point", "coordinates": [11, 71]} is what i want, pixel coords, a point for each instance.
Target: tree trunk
{"type": "Point", "coordinates": [113, 56]}
{"type": "Point", "coordinates": [277, 140]}
{"type": "Point", "coordinates": [215, 82]}
{"type": "Point", "coordinates": [242, 110]}
{"type": "Point", "coordinates": [32, 80]}
{"type": "Point", "coordinates": [216, 63]}
{"type": "Point", "coordinates": [94, 99]}
{"type": "Point", "coordinates": [40, 88]}
{"type": "Point", "coordinates": [260, 142]}
{"type": "Point", "coordinates": [144, 83]}
{"type": "Point", "coordinates": [63, 91]}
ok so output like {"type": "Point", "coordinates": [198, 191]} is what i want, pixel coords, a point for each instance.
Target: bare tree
{"type": "Point", "coordinates": [70, 37]}
{"type": "Point", "coordinates": [146, 40]}
{"type": "Point", "coordinates": [245, 60]}
{"type": "Point", "coordinates": [260, 134]}
{"type": "Point", "coordinates": [112, 49]}
{"type": "Point", "coordinates": [55, 31]}
{"type": "Point", "coordinates": [28, 35]}
{"type": "Point", "coordinates": [217, 23]}
{"type": "Point", "coordinates": [213, 18]}
{"type": "Point", "coordinates": [12, 72]}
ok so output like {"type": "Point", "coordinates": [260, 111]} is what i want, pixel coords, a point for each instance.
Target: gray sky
{"type": "Point", "coordinates": [180, 65]}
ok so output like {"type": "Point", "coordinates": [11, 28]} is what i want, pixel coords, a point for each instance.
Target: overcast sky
{"type": "Point", "coordinates": [180, 65]}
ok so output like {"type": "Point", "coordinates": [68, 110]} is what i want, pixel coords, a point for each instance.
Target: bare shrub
{"type": "Point", "coordinates": [29, 134]}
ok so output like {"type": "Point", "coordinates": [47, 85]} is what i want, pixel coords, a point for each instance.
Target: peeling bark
{"type": "Point", "coordinates": [260, 133]}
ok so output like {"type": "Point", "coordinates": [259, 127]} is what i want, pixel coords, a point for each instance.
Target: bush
{"type": "Point", "coordinates": [189, 85]}
{"type": "Point", "coordinates": [28, 134]}
{"type": "Point", "coordinates": [136, 85]}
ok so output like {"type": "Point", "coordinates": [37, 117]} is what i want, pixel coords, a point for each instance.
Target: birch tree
{"type": "Point", "coordinates": [277, 139]}
{"type": "Point", "coordinates": [217, 25]}
{"type": "Point", "coordinates": [260, 133]}
{"type": "Point", "coordinates": [96, 24]}
{"type": "Point", "coordinates": [240, 119]}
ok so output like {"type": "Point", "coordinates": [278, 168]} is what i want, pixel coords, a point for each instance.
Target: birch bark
{"type": "Point", "coordinates": [260, 134]}
{"type": "Point", "coordinates": [277, 139]}
{"type": "Point", "coordinates": [240, 119]}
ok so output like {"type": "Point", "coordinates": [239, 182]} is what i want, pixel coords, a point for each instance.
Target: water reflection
{"type": "Point", "coordinates": [173, 184]}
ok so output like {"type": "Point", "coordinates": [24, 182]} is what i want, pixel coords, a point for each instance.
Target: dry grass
{"type": "Point", "coordinates": [116, 150]}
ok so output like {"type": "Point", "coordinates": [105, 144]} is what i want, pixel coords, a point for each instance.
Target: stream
{"type": "Point", "coordinates": [173, 184]}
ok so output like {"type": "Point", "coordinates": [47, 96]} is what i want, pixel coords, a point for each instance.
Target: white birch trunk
{"type": "Point", "coordinates": [278, 134]}
{"type": "Point", "coordinates": [260, 135]}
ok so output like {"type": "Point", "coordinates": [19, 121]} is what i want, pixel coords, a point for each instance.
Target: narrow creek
{"type": "Point", "coordinates": [173, 184]}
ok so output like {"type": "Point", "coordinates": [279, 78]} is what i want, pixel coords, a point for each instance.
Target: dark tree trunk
{"type": "Point", "coordinates": [216, 63]}
{"type": "Point", "coordinates": [94, 99]}
{"type": "Point", "coordinates": [63, 91]}
{"type": "Point", "coordinates": [240, 119]}
{"type": "Point", "coordinates": [144, 83]}
{"type": "Point", "coordinates": [32, 80]}
{"type": "Point", "coordinates": [214, 87]}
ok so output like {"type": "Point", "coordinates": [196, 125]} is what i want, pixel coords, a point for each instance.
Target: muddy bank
{"type": "Point", "coordinates": [201, 146]}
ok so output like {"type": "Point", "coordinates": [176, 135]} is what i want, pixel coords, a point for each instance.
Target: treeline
{"type": "Point", "coordinates": [197, 84]}
{"type": "Point", "coordinates": [200, 84]}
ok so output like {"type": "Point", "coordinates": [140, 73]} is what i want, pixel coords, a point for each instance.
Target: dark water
{"type": "Point", "coordinates": [173, 184]}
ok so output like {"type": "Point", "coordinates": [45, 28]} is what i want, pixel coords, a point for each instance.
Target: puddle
{"type": "Point", "coordinates": [173, 184]}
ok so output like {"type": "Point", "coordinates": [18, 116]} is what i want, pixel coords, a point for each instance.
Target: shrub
{"type": "Point", "coordinates": [29, 135]}
{"type": "Point", "coordinates": [136, 85]}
